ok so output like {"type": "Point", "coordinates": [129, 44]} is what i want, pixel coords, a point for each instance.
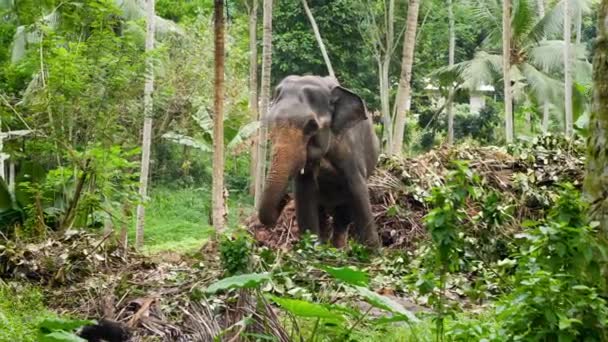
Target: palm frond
{"type": "Point", "coordinates": [522, 20]}
{"type": "Point", "coordinates": [551, 25]}
{"type": "Point", "coordinates": [488, 14]}
{"type": "Point", "coordinates": [582, 72]}
{"type": "Point", "coordinates": [542, 85]}
{"type": "Point", "coordinates": [484, 68]}
{"type": "Point", "coordinates": [548, 55]}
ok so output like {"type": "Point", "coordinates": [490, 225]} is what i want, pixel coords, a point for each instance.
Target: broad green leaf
{"type": "Point", "coordinates": [188, 141]}
{"type": "Point", "coordinates": [51, 324]}
{"type": "Point", "coordinates": [60, 336]}
{"type": "Point", "coordinates": [385, 303]}
{"type": "Point", "coordinates": [243, 134]}
{"type": "Point", "coordinates": [303, 308]}
{"type": "Point", "coordinates": [348, 275]}
{"type": "Point", "coordinates": [243, 281]}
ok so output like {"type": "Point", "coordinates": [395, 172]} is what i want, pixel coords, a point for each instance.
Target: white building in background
{"type": "Point", "coordinates": [477, 97]}
{"type": "Point", "coordinates": [4, 136]}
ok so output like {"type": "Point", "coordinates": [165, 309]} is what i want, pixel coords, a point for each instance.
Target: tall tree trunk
{"type": "Point", "coordinates": [265, 99]}
{"type": "Point", "coordinates": [402, 100]}
{"type": "Point", "coordinates": [315, 29]}
{"type": "Point", "coordinates": [567, 66]}
{"type": "Point", "coordinates": [541, 8]}
{"type": "Point", "coordinates": [384, 63]}
{"type": "Point", "coordinates": [147, 133]}
{"type": "Point", "coordinates": [451, 51]}
{"type": "Point", "coordinates": [217, 190]}
{"type": "Point", "coordinates": [596, 181]}
{"type": "Point", "coordinates": [506, 68]}
{"type": "Point", "coordinates": [546, 116]}
{"type": "Point", "coordinates": [253, 85]}
{"type": "Point", "coordinates": [385, 107]}
{"type": "Point", "coordinates": [579, 24]}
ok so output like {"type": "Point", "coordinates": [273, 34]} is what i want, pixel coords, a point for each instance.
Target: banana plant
{"type": "Point", "coordinates": [203, 142]}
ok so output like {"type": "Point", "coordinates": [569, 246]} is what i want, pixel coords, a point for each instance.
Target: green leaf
{"type": "Point", "coordinates": [60, 336]}
{"type": "Point", "coordinates": [303, 308]}
{"type": "Point", "coordinates": [347, 274]}
{"type": "Point", "coordinates": [385, 303]}
{"type": "Point", "coordinates": [243, 281]}
{"type": "Point", "coordinates": [52, 324]}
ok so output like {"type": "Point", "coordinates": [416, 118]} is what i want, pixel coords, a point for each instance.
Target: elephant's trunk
{"type": "Point", "coordinates": [288, 156]}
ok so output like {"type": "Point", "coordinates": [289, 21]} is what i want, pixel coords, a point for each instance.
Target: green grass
{"type": "Point", "coordinates": [178, 219]}
{"type": "Point", "coordinates": [21, 309]}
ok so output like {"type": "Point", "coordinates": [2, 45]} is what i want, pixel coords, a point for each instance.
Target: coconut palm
{"type": "Point", "coordinates": [536, 53]}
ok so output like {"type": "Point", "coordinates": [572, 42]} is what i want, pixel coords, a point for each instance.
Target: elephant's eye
{"type": "Point", "coordinates": [311, 126]}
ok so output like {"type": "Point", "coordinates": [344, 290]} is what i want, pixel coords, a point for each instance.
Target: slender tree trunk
{"type": "Point", "coordinates": [385, 107]}
{"type": "Point", "coordinates": [315, 29]}
{"type": "Point", "coordinates": [253, 86]}
{"type": "Point", "coordinates": [265, 99]}
{"type": "Point", "coordinates": [546, 116]}
{"type": "Point", "coordinates": [147, 133]}
{"type": "Point", "coordinates": [384, 63]}
{"type": "Point", "coordinates": [218, 205]}
{"type": "Point", "coordinates": [541, 8]}
{"type": "Point", "coordinates": [579, 24]}
{"type": "Point", "coordinates": [567, 66]}
{"type": "Point", "coordinates": [506, 68]}
{"type": "Point", "coordinates": [596, 181]}
{"type": "Point", "coordinates": [452, 48]}
{"type": "Point", "coordinates": [402, 100]}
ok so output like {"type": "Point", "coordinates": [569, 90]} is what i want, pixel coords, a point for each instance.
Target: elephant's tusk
{"type": "Point", "coordinates": [302, 171]}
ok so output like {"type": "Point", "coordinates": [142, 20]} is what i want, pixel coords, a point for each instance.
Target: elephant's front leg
{"type": "Point", "coordinates": [307, 203]}
{"type": "Point", "coordinates": [364, 226]}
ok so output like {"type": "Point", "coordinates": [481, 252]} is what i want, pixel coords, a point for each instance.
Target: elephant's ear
{"type": "Point", "coordinates": [348, 109]}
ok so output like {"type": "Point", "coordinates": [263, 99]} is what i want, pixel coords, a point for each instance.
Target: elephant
{"type": "Point", "coordinates": [323, 140]}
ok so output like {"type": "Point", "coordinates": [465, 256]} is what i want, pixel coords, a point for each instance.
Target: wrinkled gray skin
{"type": "Point", "coordinates": [323, 140]}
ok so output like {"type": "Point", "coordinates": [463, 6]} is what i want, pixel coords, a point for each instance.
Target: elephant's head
{"type": "Point", "coordinates": [307, 113]}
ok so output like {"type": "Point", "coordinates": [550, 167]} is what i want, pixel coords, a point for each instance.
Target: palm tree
{"type": "Point", "coordinates": [265, 98]}
{"type": "Point", "coordinates": [147, 134]}
{"type": "Point", "coordinates": [253, 82]}
{"type": "Point", "coordinates": [535, 63]}
{"type": "Point", "coordinates": [596, 183]}
{"type": "Point", "coordinates": [506, 68]}
{"type": "Point", "coordinates": [567, 72]}
{"type": "Point", "coordinates": [451, 48]}
{"type": "Point", "coordinates": [402, 99]}
{"type": "Point", "coordinates": [217, 191]}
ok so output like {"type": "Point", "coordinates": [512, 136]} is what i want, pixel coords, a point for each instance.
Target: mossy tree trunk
{"type": "Point", "coordinates": [219, 211]}
{"type": "Point", "coordinates": [596, 182]}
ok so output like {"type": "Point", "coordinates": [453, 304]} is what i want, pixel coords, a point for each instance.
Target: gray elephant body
{"type": "Point", "coordinates": [324, 141]}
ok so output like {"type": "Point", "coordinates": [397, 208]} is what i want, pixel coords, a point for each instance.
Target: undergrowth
{"type": "Point", "coordinates": [21, 310]}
